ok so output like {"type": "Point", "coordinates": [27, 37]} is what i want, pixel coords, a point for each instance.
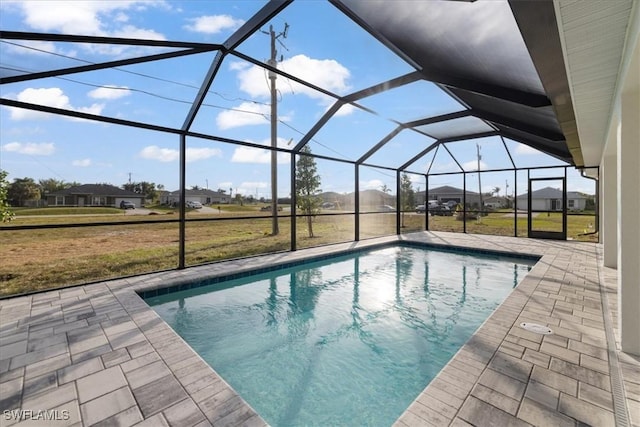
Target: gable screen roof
{"type": "Point", "coordinates": [501, 60]}
{"type": "Point", "coordinates": [477, 52]}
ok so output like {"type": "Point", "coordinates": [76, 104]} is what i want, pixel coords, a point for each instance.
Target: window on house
{"type": "Point", "coordinates": [99, 201]}
{"type": "Point", "coordinates": [571, 204]}
{"type": "Point", "coordinates": [59, 200]}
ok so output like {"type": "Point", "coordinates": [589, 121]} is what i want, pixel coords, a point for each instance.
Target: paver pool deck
{"type": "Point", "coordinates": [98, 355]}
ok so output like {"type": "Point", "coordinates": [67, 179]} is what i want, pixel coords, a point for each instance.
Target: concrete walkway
{"type": "Point", "coordinates": [98, 355]}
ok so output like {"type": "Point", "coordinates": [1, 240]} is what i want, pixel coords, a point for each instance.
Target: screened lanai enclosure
{"type": "Point", "coordinates": [295, 124]}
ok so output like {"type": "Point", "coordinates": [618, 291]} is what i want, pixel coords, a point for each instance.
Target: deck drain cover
{"type": "Point", "coordinates": [535, 328]}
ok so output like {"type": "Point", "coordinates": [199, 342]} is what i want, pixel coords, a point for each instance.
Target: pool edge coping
{"type": "Point", "coordinates": [309, 255]}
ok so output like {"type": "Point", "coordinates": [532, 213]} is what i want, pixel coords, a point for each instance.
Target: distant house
{"type": "Point", "coordinates": [550, 199]}
{"type": "Point", "coordinates": [94, 195]}
{"type": "Point", "coordinates": [204, 196]}
{"type": "Point", "coordinates": [447, 193]}
{"type": "Point", "coordinates": [495, 202]}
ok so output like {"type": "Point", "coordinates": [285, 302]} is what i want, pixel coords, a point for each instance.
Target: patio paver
{"type": "Point", "coordinates": [99, 353]}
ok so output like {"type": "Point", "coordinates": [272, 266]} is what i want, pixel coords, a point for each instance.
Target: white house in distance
{"type": "Point", "coordinates": [204, 196]}
{"type": "Point", "coordinates": [550, 199]}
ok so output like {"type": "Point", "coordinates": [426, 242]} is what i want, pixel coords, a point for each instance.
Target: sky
{"type": "Point", "coordinates": [321, 46]}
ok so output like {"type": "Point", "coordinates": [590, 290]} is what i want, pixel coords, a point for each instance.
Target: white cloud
{"type": "Point", "coordinates": [92, 18]}
{"type": "Point", "coordinates": [325, 73]}
{"type": "Point", "coordinates": [445, 167]}
{"type": "Point", "coordinates": [83, 163]}
{"type": "Point", "coordinates": [345, 110]}
{"type": "Point", "coordinates": [30, 148]}
{"type": "Point", "coordinates": [121, 17]}
{"type": "Point", "coordinates": [257, 155]}
{"type": "Point", "coordinates": [247, 113]}
{"type": "Point", "coordinates": [472, 165]}
{"type": "Point", "coordinates": [51, 97]}
{"type": "Point", "coordinates": [213, 24]}
{"type": "Point", "coordinates": [92, 109]}
{"type": "Point", "coordinates": [254, 185]}
{"type": "Point", "coordinates": [129, 31]}
{"type": "Point", "coordinates": [250, 155]}
{"type": "Point", "coordinates": [195, 154]}
{"type": "Point", "coordinates": [416, 179]}
{"type": "Point", "coordinates": [110, 92]}
{"type": "Point", "coordinates": [79, 17]}
{"type": "Point", "coordinates": [238, 65]}
{"type": "Point", "coordinates": [374, 184]}
{"type": "Point", "coordinates": [526, 150]}
{"type": "Point", "coordinates": [153, 152]}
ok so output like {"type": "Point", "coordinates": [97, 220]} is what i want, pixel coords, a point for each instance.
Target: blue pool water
{"type": "Point", "coordinates": [341, 342]}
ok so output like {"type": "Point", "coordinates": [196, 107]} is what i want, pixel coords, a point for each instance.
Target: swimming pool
{"type": "Point", "coordinates": [348, 340]}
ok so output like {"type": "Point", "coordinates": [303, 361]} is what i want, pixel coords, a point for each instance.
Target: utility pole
{"type": "Point", "coordinates": [479, 183]}
{"type": "Point", "coordinates": [273, 62]}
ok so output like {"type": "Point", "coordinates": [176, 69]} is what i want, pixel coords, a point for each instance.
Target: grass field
{"type": "Point", "coordinates": [38, 259]}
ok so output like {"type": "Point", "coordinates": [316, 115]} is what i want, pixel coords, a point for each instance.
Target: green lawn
{"type": "Point", "coordinates": [66, 211]}
{"type": "Point", "coordinates": [49, 258]}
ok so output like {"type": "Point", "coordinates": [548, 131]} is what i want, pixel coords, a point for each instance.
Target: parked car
{"type": "Point", "coordinates": [420, 209]}
{"type": "Point", "coordinates": [125, 204]}
{"type": "Point", "coordinates": [440, 210]}
{"type": "Point", "coordinates": [193, 205]}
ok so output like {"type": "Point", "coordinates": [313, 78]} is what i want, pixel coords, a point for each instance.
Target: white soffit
{"type": "Point", "coordinates": [593, 35]}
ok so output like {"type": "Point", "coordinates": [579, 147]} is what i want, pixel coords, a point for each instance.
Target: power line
{"type": "Point", "coordinates": [148, 76]}
{"type": "Point", "coordinates": [171, 99]}
{"type": "Point", "coordinates": [167, 98]}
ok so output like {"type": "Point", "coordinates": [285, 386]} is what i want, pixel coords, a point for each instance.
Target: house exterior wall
{"type": "Point", "coordinates": [576, 204]}
{"type": "Point", "coordinates": [628, 203]}
{"type": "Point", "coordinates": [205, 199]}
{"type": "Point", "coordinates": [546, 204]}
{"type": "Point", "coordinates": [457, 197]}
{"type": "Point", "coordinates": [79, 200]}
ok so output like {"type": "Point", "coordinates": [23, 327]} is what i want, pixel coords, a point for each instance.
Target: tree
{"type": "Point", "coordinates": [148, 189]}
{"type": "Point", "coordinates": [407, 195]}
{"type": "Point", "coordinates": [5, 213]}
{"type": "Point", "coordinates": [51, 185]}
{"type": "Point", "coordinates": [386, 190]}
{"type": "Point", "coordinates": [21, 190]}
{"type": "Point", "coordinates": [308, 187]}
{"type": "Point", "coordinates": [496, 191]}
